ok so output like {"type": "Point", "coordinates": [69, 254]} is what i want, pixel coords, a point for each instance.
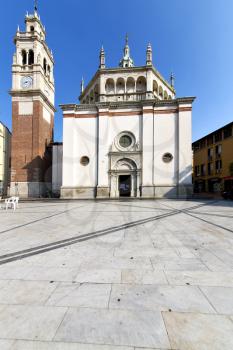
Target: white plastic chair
{"type": "Point", "coordinates": [12, 202]}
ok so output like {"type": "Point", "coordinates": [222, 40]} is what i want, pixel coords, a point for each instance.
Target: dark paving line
{"type": "Point", "coordinates": [208, 222]}
{"type": "Point", "coordinates": [187, 212]}
{"type": "Point", "coordinates": [218, 215]}
{"type": "Point", "coordinates": [4, 259]}
{"type": "Point", "coordinates": [191, 208]}
{"type": "Point", "coordinates": [134, 206]}
{"type": "Point", "coordinates": [38, 220]}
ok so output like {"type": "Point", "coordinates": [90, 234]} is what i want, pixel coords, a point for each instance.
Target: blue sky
{"type": "Point", "coordinates": [192, 38]}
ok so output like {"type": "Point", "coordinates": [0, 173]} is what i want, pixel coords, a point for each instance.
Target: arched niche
{"type": "Point", "coordinates": [155, 88]}
{"type": "Point", "coordinates": [110, 86]}
{"type": "Point", "coordinates": [31, 57]}
{"type": "Point", "coordinates": [161, 92]}
{"type": "Point", "coordinates": [45, 65]}
{"type": "Point", "coordinates": [92, 96]}
{"type": "Point", "coordinates": [141, 84]}
{"type": "Point", "coordinates": [130, 85]}
{"type": "Point", "coordinates": [96, 93]}
{"type": "Point", "coordinates": [120, 86]}
{"type": "Point", "coordinates": [24, 57]}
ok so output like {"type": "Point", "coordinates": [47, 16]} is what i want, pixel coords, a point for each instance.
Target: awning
{"type": "Point", "coordinates": [228, 178]}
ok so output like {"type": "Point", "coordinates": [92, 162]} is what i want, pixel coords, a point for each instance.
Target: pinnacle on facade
{"type": "Point", "coordinates": [82, 85]}
{"type": "Point", "coordinates": [149, 55]}
{"type": "Point", "coordinates": [102, 58]}
{"type": "Point", "coordinates": [126, 61]}
{"type": "Point", "coordinates": [172, 80]}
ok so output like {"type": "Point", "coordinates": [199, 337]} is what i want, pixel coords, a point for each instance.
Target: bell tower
{"type": "Point", "coordinates": [32, 110]}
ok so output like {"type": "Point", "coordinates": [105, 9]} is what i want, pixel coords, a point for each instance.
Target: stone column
{"type": "Point", "coordinates": [138, 184]}
{"type": "Point", "coordinates": [149, 84]}
{"type": "Point", "coordinates": [132, 186]}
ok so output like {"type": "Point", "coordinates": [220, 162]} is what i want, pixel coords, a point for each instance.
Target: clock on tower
{"type": "Point", "coordinates": [32, 110]}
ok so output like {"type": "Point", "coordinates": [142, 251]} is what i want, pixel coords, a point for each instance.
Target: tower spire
{"type": "Point", "coordinates": [172, 80]}
{"type": "Point", "coordinates": [126, 60]}
{"type": "Point", "coordinates": [126, 39]}
{"type": "Point", "coordinates": [35, 5]}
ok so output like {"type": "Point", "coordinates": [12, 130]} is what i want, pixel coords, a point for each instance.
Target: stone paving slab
{"type": "Point", "coordinates": [98, 276]}
{"type": "Point", "coordinates": [200, 278]}
{"type": "Point", "coordinates": [6, 344]}
{"type": "Point", "coordinates": [29, 345]}
{"type": "Point", "coordinates": [178, 264]}
{"type": "Point", "coordinates": [221, 298]}
{"type": "Point", "coordinates": [143, 277]}
{"type": "Point", "coordinates": [30, 322]}
{"type": "Point", "coordinates": [173, 276]}
{"type": "Point", "coordinates": [163, 298]}
{"type": "Point", "coordinates": [84, 295]}
{"type": "Point", "coordinates": [188, 331]}
{"type": "Point", "coordinates": [114, 327]}
{"type": "Point", "coordinates": [44, 273]}
{"type": "Point", "coordinates": [25, 292]}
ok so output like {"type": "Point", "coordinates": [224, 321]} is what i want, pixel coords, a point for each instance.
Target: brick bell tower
{"type": "Point", "coordinates": [32, 111]}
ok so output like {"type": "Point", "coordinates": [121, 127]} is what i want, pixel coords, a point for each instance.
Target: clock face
{"type": "Point", "coordinates": [26, 82]}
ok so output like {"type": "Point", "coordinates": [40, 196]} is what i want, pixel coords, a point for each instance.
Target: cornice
{"type": "Point", "coordinates": [19, 93]}
{"type": "Point", "coordinates": [127, 104]}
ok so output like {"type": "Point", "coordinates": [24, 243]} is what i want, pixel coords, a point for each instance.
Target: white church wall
{"type": "Point", "coordinates": [185, 146]}
{"type": "Point", "coordinates": [104, 139]}
{"type": "Point", "coordinates": [165, 142]}
{"type": "Point", "coordinates": [85, 140]}
{"type": "Point", "coordinates": [109, 129]}
{"type": "Point", "coordinates": [147, 148]}
{"type": "Point", "coordinates": [69, 148]}
{"type": "Point", "coordinates": [124, 123]}
{"type": "Point", "coordinates": [57, 168]}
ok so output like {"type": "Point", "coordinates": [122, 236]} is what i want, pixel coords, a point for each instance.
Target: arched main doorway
{"type": "Point", "coordinates": [124, 179]}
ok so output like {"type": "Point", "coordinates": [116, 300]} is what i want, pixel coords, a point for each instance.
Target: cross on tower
{"type": "Point", "coordinates": [35, 5]}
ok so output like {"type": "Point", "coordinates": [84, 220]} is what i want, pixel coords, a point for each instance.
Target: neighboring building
{"type": "Point", "coordinates": [5, 152]}
{"type": "Point", "coordinates": [32, 111]}
{"type": "Point", "coordinates": [212, 156]}
{"type": "Point", "coordinates": [129, 136]}
{"type": "Point", "coordinates": [57, 150]}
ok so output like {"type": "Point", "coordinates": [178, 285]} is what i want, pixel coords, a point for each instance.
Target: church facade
{"type": "Point", "coordinates": [130, 136]}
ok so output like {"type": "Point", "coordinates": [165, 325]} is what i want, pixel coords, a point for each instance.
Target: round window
{"type": "Point", "coordinates": [167, 157]}
{"type": "Point", "coordinates": [84, 160]}
{"type": "Point", "coordinates": [125, 141]}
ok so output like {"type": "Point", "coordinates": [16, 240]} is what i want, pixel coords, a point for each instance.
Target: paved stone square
{"type": "Point", "coordinates": [111, 275]}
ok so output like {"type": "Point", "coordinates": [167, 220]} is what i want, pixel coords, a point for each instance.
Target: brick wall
{"type": "Point", "coordinates": [31, 136]}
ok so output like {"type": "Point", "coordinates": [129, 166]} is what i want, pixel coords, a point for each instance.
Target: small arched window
{"type": "Point", "coordinates": [49, 70]}
{"type": "Point", "coordinates": [31, 57]}
{"type": "Point", "coordinates": [32, 29]}
{"type": "Point", "coordinates": [45, 65]}
{"type": "Point", "coordinates": [24, 57]}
